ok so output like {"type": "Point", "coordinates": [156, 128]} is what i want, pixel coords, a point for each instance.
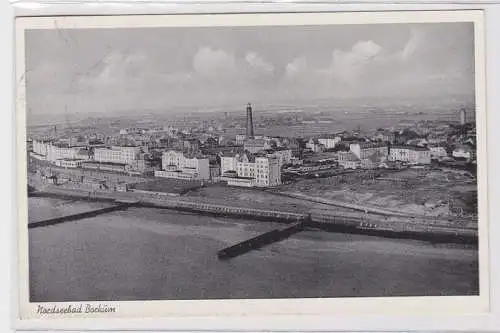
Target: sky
{"type": "Point", "coordinates": [103, 71]}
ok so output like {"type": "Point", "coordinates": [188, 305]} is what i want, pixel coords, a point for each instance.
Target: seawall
{"type": "Point", "coordinates": [370, 224]}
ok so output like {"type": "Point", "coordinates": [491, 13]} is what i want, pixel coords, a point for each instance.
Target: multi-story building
{"type": "Point", "coordinates": [40, 147]}
{"type": "Point", "coordinates": [178, 165]}
{"type": "Point", "coordinates": [267, 171]}
{"type": "Point", "coordinates": [364, 149]}
{"type": "Point", "coordinates": [117, 154]}
{"type": "Point", "coordinates": [330, 141]}
{"type": "Point", "coordinates": [228, 162]}
{"type": "Point", "coordinates": [251, 170]}
{"type": "Point", "coordinates": [245, 167]}
{"type": "Point", "coordinates": [410, 154]}
{"type": "Point", "coordinates": [284, 156]}
{"type": "Point", "coordinates": [55, 153]}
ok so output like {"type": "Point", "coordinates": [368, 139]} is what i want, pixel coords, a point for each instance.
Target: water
{"type": "Point", "coordinates": [150, 254]}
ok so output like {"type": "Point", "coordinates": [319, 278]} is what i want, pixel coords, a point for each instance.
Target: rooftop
{"type": "Point", "coordinates": [415, 148]}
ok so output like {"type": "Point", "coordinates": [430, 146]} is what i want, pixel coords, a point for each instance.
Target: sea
{"type": "Point", "coordinates": [159, 254]}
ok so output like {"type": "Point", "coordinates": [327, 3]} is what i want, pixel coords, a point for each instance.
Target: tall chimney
{"type": "Point", "coordinates": [250, 134]}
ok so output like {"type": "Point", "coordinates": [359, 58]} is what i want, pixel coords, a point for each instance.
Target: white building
{"type": "Point", "coordinates": [365, 149]}
{"type": "Point", "coordinates": [410, 154]}
{"type": "Point", "coordinates": [330, 141]}
{"type": "Point", "coordinates": [228, 163]}
{"type": "Point", "coordinates": [117, 154]}
{"type": "Point", "coordinates": [267, 171]}
{"type": "Point", "coordinates": [69, 163]}
{"type": "Point", "coordinates": [263, 171]}
{"type": "Point", "coordinates": [284, 156]}
{"type": "Point", "coordinates": [463, 152]}
{"type": "Point", "coordinates": [40, 147]}
{"type": "Point", "coordinates": [177, 165]}
{"type": "Point", "coordinates": [55, 153]}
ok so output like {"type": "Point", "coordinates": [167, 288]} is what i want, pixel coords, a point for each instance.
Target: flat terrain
{"type": "Point", "coordinates": [255, 198]}
{"type": "Point", "coordinates": [411, 191]}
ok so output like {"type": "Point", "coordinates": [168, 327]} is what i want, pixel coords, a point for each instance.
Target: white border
{"type": "Point", "coordinates": [433, 306]}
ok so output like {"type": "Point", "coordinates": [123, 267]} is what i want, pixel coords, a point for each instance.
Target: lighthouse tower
{"type": "Point", "coordinates": [250, 134]}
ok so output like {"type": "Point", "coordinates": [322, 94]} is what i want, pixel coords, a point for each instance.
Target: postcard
{"type": "Point", "coordinates": [251, 164]}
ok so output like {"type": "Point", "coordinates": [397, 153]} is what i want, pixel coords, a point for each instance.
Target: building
{"type": "Point", "coordinates": [251, 170]}
{"type": "Point", "coordinates": [267, 171]}
{"type": "Point", "coordinates": [70, 163]}
{"type": "Point", "coordinates": [55, 153]}
{"type": "Point", "coordinates": [112, 167]}
{"type": "Point", "coordinates": [410, 154]}
{"type": "Point", "coordinates": [249, 127]}
{"type": "Point", "coordinates": [364, 149]}
{"type": "Point", "coordinates": [245, 166]}
{"type": "Point", "coordinates": [284, 156]}
{"type": "Point", "coordinates": [464, 152]}
{"type": "Point", "coordinates": [437, 152]}
{"type": "Point", "coordinates": [40, 147]}
{"type": "Point", "coordinates": [240, 139]}
{"type": "Point", "coordinates": [315, 146]}
{"type": "Point", "coordinates": [228, 162]}
{"type": "Point", "coordinates": [254, 146]}
{"type": "Point", "coordinates": [117, 154]}
{"type": "Point", "coordinates": [214, 171]}
{"type": "Point", "coordinates": [329, 142]}
{"type": "Point", "coordinates": [385, 136]}
{"type": "Point", "coordinates": [348, 160]}
{"type": "Point", "coordinates": [180, 166]}
{"type": "Point", "coordinates": [462, 117]}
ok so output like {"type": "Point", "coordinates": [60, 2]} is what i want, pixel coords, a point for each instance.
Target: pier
{"type": "Point", "coordinates": [260, 241]}
{"type": "Point", "coordinates": [79, 216]}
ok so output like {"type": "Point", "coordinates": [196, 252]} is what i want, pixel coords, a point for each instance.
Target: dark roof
{"type": "Point", "coordinates": [417, 148]}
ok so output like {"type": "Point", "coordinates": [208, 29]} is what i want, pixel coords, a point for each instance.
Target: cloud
{"type": "Point", "coordinates": [258, 63]}
{"type": "Point", "coordinates": [417, 37]}
{"type": "Point", "coordinates": [210, 62]}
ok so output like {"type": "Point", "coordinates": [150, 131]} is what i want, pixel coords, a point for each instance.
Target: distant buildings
{"type": "Point", "coordinates": [385, 136]}
{"type": "Point", "coordinates": [254, 146]}
{"type": "Point", "coordinates": [437, 152]}
{"type": "Point", "coordinates": [410, 154]}
{"type": "Point", "coordinates": [315, 145]}
{"type": "Point", "coordinates": [329, 142]}
{"type": "Point", "coordinates": [177, 165]}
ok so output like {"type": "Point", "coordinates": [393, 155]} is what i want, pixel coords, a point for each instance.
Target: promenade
{"type": "Point", "coordinates": [327, 219]}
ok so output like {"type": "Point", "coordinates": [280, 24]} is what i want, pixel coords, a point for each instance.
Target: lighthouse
{"type": "Point", "coordinates": [250, 134]}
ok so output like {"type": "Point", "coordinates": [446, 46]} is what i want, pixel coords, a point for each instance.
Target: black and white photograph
{"type": "Point", "coordinates": [250, 161]}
